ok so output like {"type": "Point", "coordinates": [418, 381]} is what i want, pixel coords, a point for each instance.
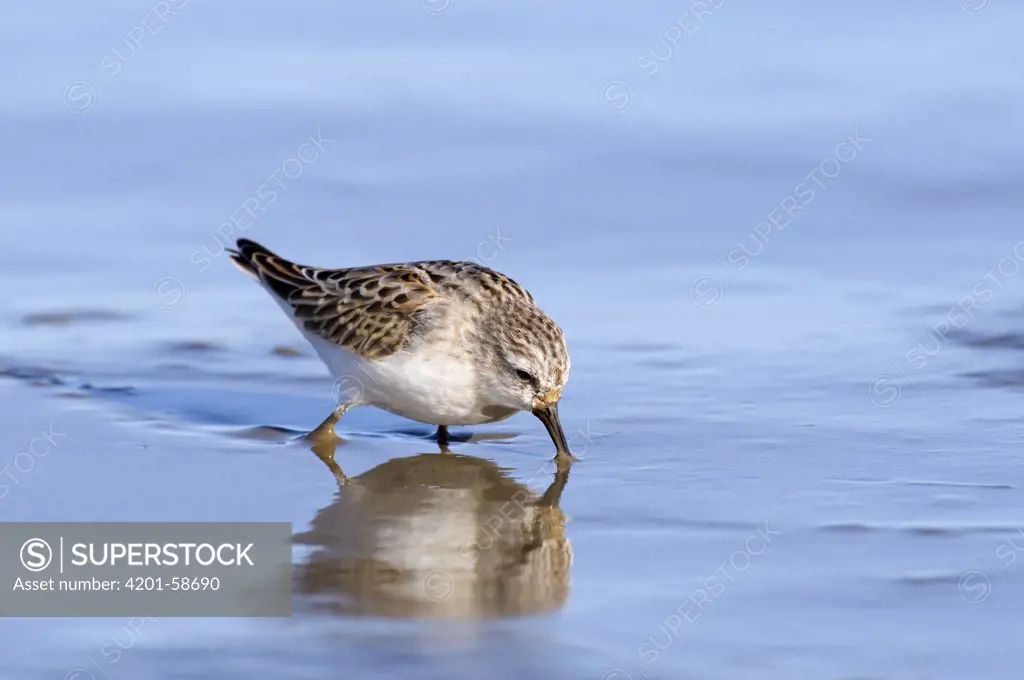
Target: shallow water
{"type": "Point", "coordinates": [797, 429]}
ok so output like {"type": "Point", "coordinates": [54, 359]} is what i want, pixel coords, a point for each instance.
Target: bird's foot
{"type": "Point", "coordinates": [565, 458]}
{"type": "Point", "coordinates": [326, 428]}
{"type": "Point", "coordinates": [442, 438]}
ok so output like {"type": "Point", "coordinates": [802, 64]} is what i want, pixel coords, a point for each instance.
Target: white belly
{"type": "Point", "coordinates": [433, 385]}
{"type": "Point", "coordinates": [428, 386]}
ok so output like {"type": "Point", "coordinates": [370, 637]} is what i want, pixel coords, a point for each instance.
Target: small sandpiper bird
{"type": "Point", "coordinates": [441, 342]}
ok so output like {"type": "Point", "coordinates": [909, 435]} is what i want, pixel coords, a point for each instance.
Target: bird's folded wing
{"type": "Point", "coordinates": [372, 311]}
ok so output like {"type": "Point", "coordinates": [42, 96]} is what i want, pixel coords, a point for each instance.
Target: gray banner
{"type": "Point", "coordinates": [145, 569]}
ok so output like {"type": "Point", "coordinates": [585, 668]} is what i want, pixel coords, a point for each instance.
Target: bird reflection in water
{"type": "Point", "coordinates": [438, 535]}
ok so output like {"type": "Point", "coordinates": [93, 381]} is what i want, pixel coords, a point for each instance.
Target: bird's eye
{"type": "Point", "coordinates": [524, 376]}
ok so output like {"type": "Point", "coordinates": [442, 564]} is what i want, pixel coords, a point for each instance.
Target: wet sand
{"type": "Point", "coordinates": [795, 532]}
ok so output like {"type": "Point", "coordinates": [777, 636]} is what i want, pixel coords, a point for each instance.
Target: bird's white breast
{"type": "Point", "coordinates": [434, 383]}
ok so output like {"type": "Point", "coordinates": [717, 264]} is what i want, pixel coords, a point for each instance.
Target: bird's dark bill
{"type": "Point", "coordinates": [549, 416]}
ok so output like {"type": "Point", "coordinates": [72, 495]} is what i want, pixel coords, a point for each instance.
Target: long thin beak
{"type": "Point", "coordinates": [549, 416]}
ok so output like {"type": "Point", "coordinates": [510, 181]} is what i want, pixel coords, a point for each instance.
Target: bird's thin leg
{"type": "Point", "coordinates": [442, 438]}
{"type": "Point", "coordinates": [326, 428]}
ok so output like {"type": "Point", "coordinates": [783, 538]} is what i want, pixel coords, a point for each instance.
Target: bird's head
{"type": "Point", "coordinates": [528, 365]}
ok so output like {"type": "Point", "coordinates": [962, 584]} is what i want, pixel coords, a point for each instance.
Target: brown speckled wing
{"type": "Point", "coordinates": [372, 311]}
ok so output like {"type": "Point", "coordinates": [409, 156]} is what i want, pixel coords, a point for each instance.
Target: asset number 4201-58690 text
{"type": "Point", "coordinates": [175, 583]}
